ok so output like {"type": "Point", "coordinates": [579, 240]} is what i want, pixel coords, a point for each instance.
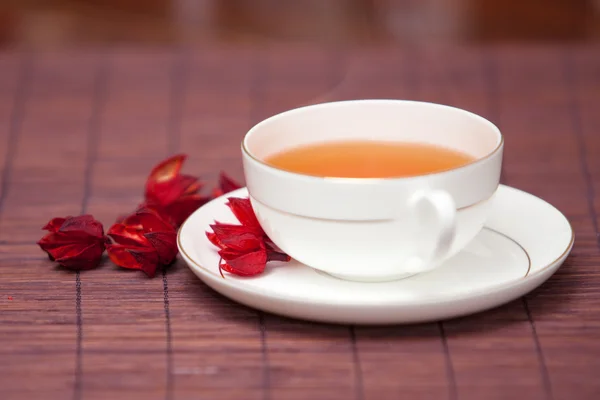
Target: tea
{"type": "Point", "coordinates": [368, 159]}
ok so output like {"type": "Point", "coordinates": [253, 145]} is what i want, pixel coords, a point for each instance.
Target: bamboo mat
{"type": "Point", "coordinates": [79, 132]}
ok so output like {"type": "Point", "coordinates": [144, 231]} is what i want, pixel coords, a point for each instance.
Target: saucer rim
{"type": "Point", "coordinates": [237, 283]}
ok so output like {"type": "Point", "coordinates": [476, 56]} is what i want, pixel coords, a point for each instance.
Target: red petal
{"type": "Point", "coordinates": [87, 258]}
{"type": "Point", "coordinates": [244, 242]}
{"type": "Point", "coordinates": [236, 237]}
{"type": "Point", "coordinates": [54, 224]}
{"type": "Point", "coordinates": [144, 259]}
{"type": "Point", "coordinates": [243, 211]}
{"type": "Point", "coordinates": [225, 230]}
{"type": "Point", "coordinates": [150, 220]}
{"type": "Point", "coordinates": [231, 252]}
{"type": "Point", "coordinates": [165, 193]}
{"type": "Point", "coordinates": [167, 169]}
{"type": "Point", "coordinates": [227, 268]}
{"type": "Point", "coordinates": [191, 184]}
{"type": "Point", "coordinates": [127, 235]}
{"type": "Point", "coordinates": [246, 264]}
{"type": "Point", "coordinates": [227, 184]}
{"type": "Point", "coordinates": [194, 188]}
{"type": "Point", "coordinates": [165, 244]}
{"type": "Point", "coordinates": [274, 253]}
{"type": "Point", "coordinates": [212, 237]}
{"type": "Point", "coordinates": [183, 207]}
{"type": "Point", "coordinates": [158, 209]}
{"type": "Point", "coordinates": [169, 191]}
{"type": "Point", "coordinates": [64, 251]}
{"type": "Point", "coordinates": [64, 238]}
{"type": "Point", "coordinates": [83, 223]}
{"type": "Point", "coordinates": [277, 256]}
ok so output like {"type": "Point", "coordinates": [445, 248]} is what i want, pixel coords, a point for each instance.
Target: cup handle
{"type": "Point", "coordinates": [437, 207]}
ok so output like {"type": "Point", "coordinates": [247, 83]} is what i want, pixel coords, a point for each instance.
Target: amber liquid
{"type": "Point", "coordinates": [368, 159]}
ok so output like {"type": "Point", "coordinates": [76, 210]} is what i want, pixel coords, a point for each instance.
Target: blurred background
{"type": "Point", "coordinates": [68, 23]}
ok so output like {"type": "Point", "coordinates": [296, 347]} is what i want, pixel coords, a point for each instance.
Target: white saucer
{"type": "Point", "coordinates": [523, 244]}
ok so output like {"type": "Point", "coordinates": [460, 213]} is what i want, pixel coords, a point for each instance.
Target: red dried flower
{"type": "Point", "coordinates": [226, 185]}
{"type": "Point", "coordinates": [173, 195]}
{"type": "Point", "coordinates": [146, 239]}
{"type": "Point", "coordinates": [245, 249]}
{"type": "Point", "coordinates": [74, 242]}
{"type": "Point", "coordinates": [143, 241]}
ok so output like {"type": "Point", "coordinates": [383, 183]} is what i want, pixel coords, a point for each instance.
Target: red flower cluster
{"type": "Point", "coordinates": [226, 185]}
{"type": "Point", "coordinates": [143, 240]}
{"type": "Point", "coordinates": [245, 249]}
{"type": "Point", "coordinates": [74, 242]}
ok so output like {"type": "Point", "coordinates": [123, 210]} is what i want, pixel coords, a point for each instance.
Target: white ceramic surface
{"type": "Point", "coordinates": [524, 242]}
{"type": "Point", "coordinates": [373, 229]}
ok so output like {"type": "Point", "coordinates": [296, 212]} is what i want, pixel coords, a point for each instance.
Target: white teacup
{"type": "Point", "coordinates": [368, 229]}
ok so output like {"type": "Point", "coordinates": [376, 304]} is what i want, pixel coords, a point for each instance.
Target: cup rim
{"type": "Point", "coordinates": [477, 161]}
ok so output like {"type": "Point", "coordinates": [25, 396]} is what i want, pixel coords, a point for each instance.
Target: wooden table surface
{"type": "Point", "coordinates": [80, 130]}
